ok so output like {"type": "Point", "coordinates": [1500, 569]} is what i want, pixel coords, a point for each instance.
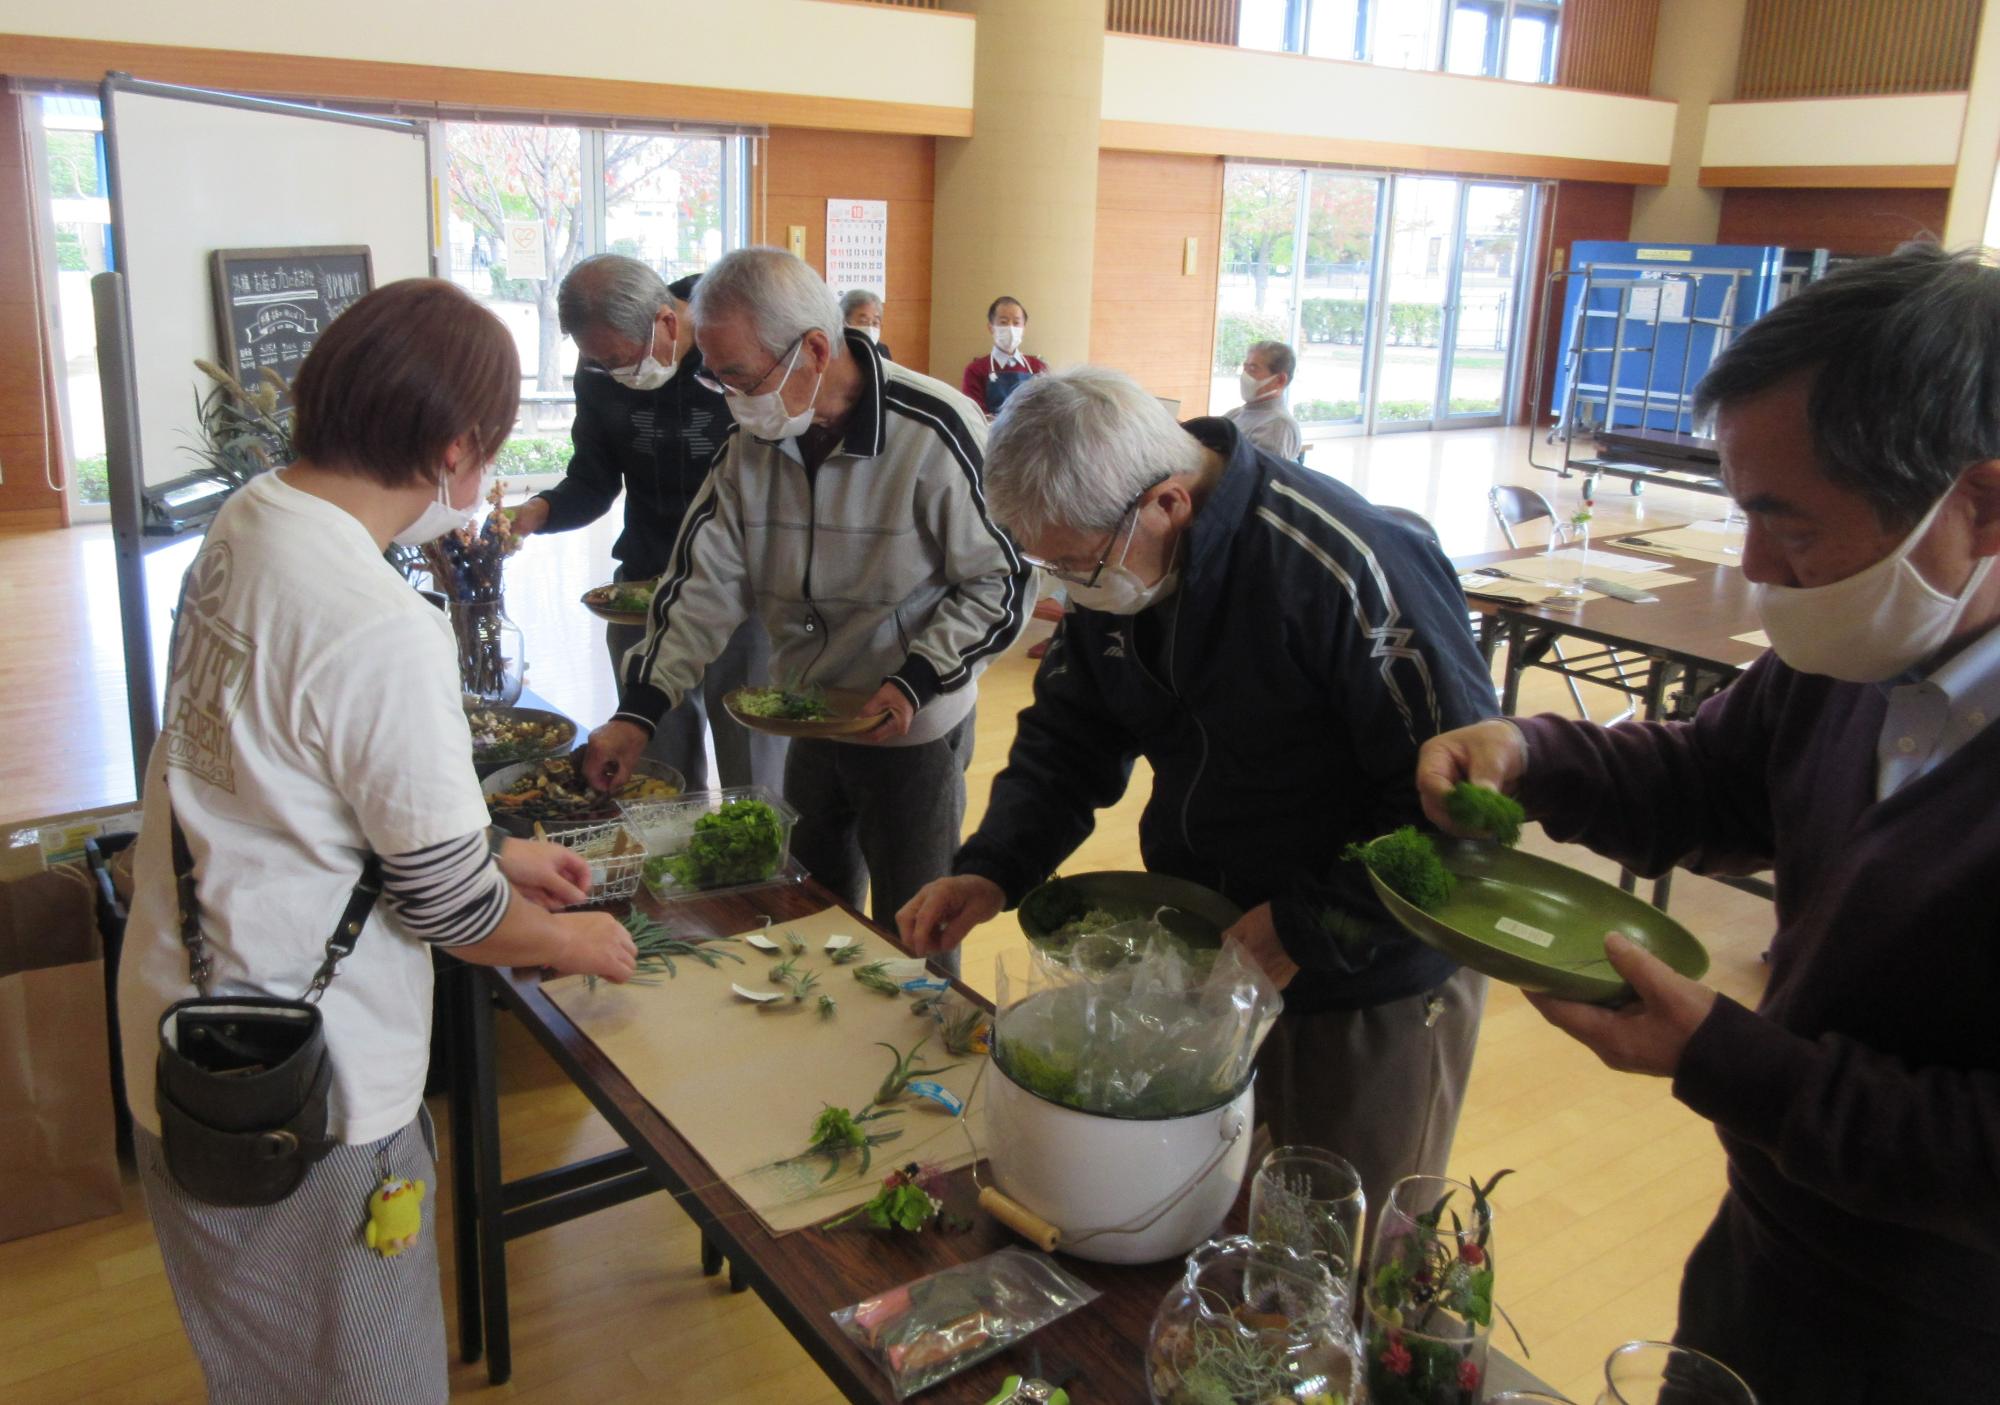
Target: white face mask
{"type": "Point", "coordinates": [1008, 339]}
{"type": "Point", "coordinates": [764, 415]}
{"type": "Point", "coordinates": [873, 334]}
{"type": "Point", "coordinates": [1250, 387]}
{"type": "Point", "coordinates": [648, 374]}
{"type": "Point", "coordinates": [1876, 624]}
{"type": "Point", "coordinates": [440, 517]}
{"type": "Point", "coordinates": [1119, 592]}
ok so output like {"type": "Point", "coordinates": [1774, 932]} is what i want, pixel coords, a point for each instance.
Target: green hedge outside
{"type": "Point", "coordinates": [93, 478]}
{"type": "Point", "coordinates": [519, 457]}
{"type": "Point", "coordinates": [1237, 332]}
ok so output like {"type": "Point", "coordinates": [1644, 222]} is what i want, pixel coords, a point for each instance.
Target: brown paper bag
{"type": "Point", "coordinates": [58, 1148]}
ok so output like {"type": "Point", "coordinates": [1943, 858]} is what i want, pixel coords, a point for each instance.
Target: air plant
{"type": "Point", "coordinates": [836, 1131]}
{"type": "Point", "coordinates": [658, 947]}
{"type": "Point", "coordinates": [842, 955]}
{"type": "Point", "coordinates": [794, 943]}
{"type": "Point", "coordinates": [875, 975]}
{"type": "Point", "coordinates": [903, 1070]}
{"type": "Point", "coordinates": [826, 1007]}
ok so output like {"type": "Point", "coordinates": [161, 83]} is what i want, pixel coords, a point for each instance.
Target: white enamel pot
{"type": "Point", "coordinates": [1121, 1190]}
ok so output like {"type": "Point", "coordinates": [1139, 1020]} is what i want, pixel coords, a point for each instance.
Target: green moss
{"type": "Point", "coordinates": [1038, 1073]}
{"type": "Point", "coordinates": [1407, 862]}
{"type": "Point", "coordinates": [1477, 810]}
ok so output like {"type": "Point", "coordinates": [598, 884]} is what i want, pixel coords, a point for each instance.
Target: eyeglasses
{"type": "Point", "coordinates": [1129, 516]}
{"type": "Point", "coordinates": [704, 379]}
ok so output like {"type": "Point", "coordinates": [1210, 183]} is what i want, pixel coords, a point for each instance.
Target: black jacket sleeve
{"type": "Point", "coordinates": [1397, 666]}
{"type": "Point", "coordinates": [1070, 759]}
{"type": "Point", "coordinates": [593, 480]}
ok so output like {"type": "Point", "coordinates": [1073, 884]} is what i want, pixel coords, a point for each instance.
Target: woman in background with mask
{"type": "Point", "coordinates": [862, 310]}
{"type": "Point", "coordinates": [313, 719]}
{"type": "Point", "coordinates": [991, 378]}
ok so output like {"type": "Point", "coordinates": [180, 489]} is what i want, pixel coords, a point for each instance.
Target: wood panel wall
{"type": "Point", "coordinates": [1607, 45]}
{"type": "Point", "coordinates": [802, 168]}
{"type": "Point", "coordinates": [1147, 317]}
{"type": "Point", "coordinates": [1845, 221]}
{"type": "Point", "coordinates": [1582, 210]}
{"type": "Point", "coordinates": [29, 424]}
{"type": "Point", "coordinates": [1839, 48]}
{"type": "Point", "coordinates": [1203, 21]}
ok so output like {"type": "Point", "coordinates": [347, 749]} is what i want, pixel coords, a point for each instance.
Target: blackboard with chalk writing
{"type": "Point", "coordinates": [271, 305]}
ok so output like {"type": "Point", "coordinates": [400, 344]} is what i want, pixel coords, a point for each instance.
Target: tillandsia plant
{"type": "Point", "coordinates": [845, 955]}
{"type": "Point", "coordinates": [1430, 1303]}
{"type": "Point", "coordinates": [837, 1131]}
{"type": "Point", "coordinates": [875, 975]}
{"type": "Point", "coordinates": [658, 947]}
{"type": "Point", "coordinates": [245, 429]}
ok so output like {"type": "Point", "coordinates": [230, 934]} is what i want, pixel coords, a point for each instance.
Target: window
{"type": "Point", "coordinates": [68, 134]}
{"type": "Point", "coordinates": [1493, 38]}
{"type": "Point", "coordinates": [676, 202]}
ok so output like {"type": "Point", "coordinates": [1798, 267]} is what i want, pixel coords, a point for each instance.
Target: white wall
{"type": "Point", "coordinates": [1916, 129]}
{"type": "Point", "coordinates": [877, 53]}
{"type": "Point", "coordinates": [1159, 81]}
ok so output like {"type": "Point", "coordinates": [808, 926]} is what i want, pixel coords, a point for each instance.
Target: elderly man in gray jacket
{"type": "Point", "coordinates": [846, 511]}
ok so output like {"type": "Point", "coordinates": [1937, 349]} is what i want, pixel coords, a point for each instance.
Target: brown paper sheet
{"type": "Point", "coordinates": [743, 1082]}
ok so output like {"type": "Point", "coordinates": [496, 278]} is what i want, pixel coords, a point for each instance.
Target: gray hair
{"type": "Point", "coordinates": [1277, 355]}
{"type": "Point", "coordinates": [612, 293]}
{"type": "Point", "coordinates": [854, 299]}
{"type": "Point", "coordinates": [1073, 449]}
{"type": "Point", "coordinates": [1904, 355]}
{"type": "Point", "coordinates": [780, 295]}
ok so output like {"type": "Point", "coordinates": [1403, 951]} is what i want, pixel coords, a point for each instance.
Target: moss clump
{"type": "Point", "coordinates": [1408, 865]}
{"type": "Point", "coordinates": [1477, 810]}
{"type": "Point", "coordinates": [1036, 1071]}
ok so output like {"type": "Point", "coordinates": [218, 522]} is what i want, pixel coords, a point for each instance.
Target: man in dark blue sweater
{"type": "Point", "coordinates": [1856, 1256]}
{"type": "Point", "coordinates": [1277, 650]}
{"type": "Point", "coordinates": [646, 426]}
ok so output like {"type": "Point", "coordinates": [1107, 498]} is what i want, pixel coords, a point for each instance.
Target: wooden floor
{"type": "Point", "coordinates": [1614, 1180]}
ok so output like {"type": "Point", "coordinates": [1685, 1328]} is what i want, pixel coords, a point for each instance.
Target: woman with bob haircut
{"type": "Point", "coordinates": [312, 721]}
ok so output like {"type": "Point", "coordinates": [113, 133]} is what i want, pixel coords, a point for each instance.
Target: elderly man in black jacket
{"type": "Point", "coordinates": [1277, 650]}
{"type": "Point", "coordinates": [645, 427]}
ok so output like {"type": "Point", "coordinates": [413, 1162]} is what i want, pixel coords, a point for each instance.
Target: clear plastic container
{"type": "Point", "coordinates": [714, 841]}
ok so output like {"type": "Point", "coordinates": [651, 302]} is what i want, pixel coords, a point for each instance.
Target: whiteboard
{"type": "Point", "coordinates": [194, 177]}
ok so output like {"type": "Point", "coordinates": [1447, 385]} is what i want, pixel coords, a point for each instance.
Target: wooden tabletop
{"type": "Point", "coordinates": [806, 1276]}
{"type": "Point", "coordinates": [1694, 623]}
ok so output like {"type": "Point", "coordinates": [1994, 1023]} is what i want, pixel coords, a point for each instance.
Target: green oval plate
{"type": "Point", "coordinates": [1540, 925]}
{"type": "Point", "coordinates": [1198, 916]}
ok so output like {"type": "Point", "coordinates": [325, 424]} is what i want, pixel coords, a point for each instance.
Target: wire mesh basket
{"type": "Point", "coordinates": [615, 855]}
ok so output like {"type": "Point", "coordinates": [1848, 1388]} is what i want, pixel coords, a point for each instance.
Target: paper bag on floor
{"type": "Point", "coordinates": [58, 1149]}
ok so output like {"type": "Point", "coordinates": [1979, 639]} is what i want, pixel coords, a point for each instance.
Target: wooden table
{"type": "Point", "coordinates": [1669, 656]}
{"type": "Point", "coordinates": [802, 1277]}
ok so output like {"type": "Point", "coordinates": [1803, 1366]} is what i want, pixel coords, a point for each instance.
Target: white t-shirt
{"type": "Point", "coordinates": [312, 714]}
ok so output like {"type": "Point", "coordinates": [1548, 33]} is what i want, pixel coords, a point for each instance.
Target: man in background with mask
{"type": "Point", "coordinates": [1856, 1255]}
{"type": "Point", "coordinates": [1263, 418]}
{"type": "Point", "coordinates": [645, 426]}
{"type": "Point", "coordinates": [1276, 649]}
{"type": "Point", "coordinates": [846, 513]}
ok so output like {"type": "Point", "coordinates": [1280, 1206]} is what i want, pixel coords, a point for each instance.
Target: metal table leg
{"type": "Point", "coordinates": [486, 1175]}
{"type": "Point", "coordinates": [459, 985]}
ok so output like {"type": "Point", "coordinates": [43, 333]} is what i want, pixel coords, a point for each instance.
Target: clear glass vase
{"type": "Point", "coordinates": [492, 668]}
{"type": "Point", "coordinates": [1311, 1200]}
{"type": "Point", "coordinates": [1428, 1307]}
{"type": "Point", "coordinates": [1253, 1324]}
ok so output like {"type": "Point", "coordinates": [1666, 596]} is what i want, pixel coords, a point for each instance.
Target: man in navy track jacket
{"type": "Point", "coordinates": [1277, 649]}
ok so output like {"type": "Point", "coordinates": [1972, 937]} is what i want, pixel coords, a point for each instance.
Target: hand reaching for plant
{"type": "Point", "coordinates": [944, 911]}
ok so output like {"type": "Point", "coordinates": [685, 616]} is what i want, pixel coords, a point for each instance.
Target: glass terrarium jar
{"type": "Point", "coordinates": [1253, 1324]}
{"type": "Point", "coordinates": [492, 669]}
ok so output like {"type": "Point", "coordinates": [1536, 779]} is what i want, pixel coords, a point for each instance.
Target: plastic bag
{"type": "Point", "coordinates": [935, 1327]}
{"type": "Point", "coordinates": [1132, 1022]}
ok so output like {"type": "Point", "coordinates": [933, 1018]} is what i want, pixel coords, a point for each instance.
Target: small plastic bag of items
{"type": "Point", "coordinates": [1133, 1022]}
{"type": "Point", "coordinates": [935, 1327]}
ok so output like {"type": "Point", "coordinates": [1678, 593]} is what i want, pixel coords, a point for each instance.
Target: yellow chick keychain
{"type": "Point", "coordinates": [395, 1215]}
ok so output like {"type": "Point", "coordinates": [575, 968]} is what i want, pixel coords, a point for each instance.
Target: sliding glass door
{"type": "Point", "coordinates": [1401, 295]}
{"type": "Point", "coordinates": [1445, 358]}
